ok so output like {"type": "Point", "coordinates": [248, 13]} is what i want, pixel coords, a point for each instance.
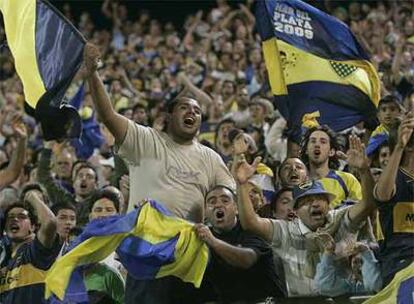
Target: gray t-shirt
{"type": "Point", "coordinates": [179, 176]}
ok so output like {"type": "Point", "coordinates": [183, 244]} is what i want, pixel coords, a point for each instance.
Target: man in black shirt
{"type": "Point", "coordinates": [241, 266]}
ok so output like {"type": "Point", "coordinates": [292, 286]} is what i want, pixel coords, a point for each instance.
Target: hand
{"type": "Point", "coordinates": [91, 59]}
{"type": "Point", "coordinates": [239, 145]}
{"type": "Point", "coordinates": [327, 242]}
{"type": "Point", "coordinates": [242, 170]}
{"type": "Point", "coordinates": [33, 196]}
{"type": "Point", "coordinates": [204, 234]}
{"type": "Point", "coordinates": [49, 144]}
{"type": "Point", "coordinates": [19, 129]}
{"type": "Point", "coordinates": [360, 247]}
{"type": "Point", "coordinates": [405, 130]}
{"type": "Point", "coordinates": [356, 156]}
{"type": "Point", "coordinates": [198, 16]}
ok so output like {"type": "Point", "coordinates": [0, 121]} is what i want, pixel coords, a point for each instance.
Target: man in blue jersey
{"type": "Point", "coordinates": [22, 278]}
{"type": "Point", "coordinates": [395, 195]}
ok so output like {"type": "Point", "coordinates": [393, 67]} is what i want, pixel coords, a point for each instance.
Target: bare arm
{"type": "Point", "coordinates": [116, 123]}
{"type": "Point", "coordinates": [396, 62]}
{"type": "Point", "coordinates": [385, 188]}
{"type": "Point", "coordinates": [201, 96]}
{"type": "Point", "coordinates": [357, 158]}
{"type": "Point", "coordinates": [242, 171]}
{"type": "Point", "coordinates": [235, 256]}
{"type": "Point", "coordinates": [47, 231]}
{"type": "Point", "coordinates": [13, 170]}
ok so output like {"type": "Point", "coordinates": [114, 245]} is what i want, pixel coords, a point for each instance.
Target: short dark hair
{"type": "Point", "coordinates": [333, 161]}
{"type": "Point", "coordinates": [105, 193]}
{"type": "Point", "coordinates": [89, 166]}
{"type": "Point", "coordinates": [32, 213]}
{"type": "Point", "coordinates": [234, 195]}
{"type": "Point", "coordinates": [222, 122]}
{"type": "Point", "coordinates": [62, 206]}
{"type": "Point", "coordinates": [171, 104]}
{"type": "Point", "coordinates": [277, 196]}
{"type": "Point", "coordinates": [390, 98]}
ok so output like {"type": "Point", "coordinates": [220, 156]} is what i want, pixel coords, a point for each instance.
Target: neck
{"type": "Point", "coordinates": [15, 244]}
{"type": "Point", "coordinates": [317, 171]}
{"type": "Point", "coordinates": [180, 140]}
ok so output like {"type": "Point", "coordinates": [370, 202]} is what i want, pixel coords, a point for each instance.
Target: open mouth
{"type": "Point", "coordinates": [83, 186]}
{"type": "Point", "coordinates": [291, 216]}
{"type": "Point", "coordinates": [189, 121]}
{"type": "Point", "coordinates": [294, 178]}
{"type": "Point", "coordinates": [14, 228]}
{"type": "Point", "coordinates": [316, 214]}
{"type": "Point", "coordinates": [219, 214]}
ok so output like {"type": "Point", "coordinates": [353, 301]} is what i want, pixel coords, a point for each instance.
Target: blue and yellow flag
{"type": "Point", "coordinates": [47, 53]}
{"type": "Point", "coordinates": [316, 66]}
{"type": "Point", "coordinates": [150, 242]}
{"type": "Point", "coordinates": [399, 291]}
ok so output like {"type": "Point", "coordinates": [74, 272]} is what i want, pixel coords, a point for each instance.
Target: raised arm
{"type": "Point", "coordinates": [357, 158]}
{"type": "Point", "coordinates": [201, 96]}
{"type": "Point", "coordinates": [385, 188]}
{"type": "Point", "coordinates": [235, 256]}
{"type": "Point", "coordinates": [116, 123]}
{"type": "Point", "coordinates": [242, 171]}
{"type": "Point", "coordinates": [47, 231]}
{"type": "Point", "coordinates": [13, 170]}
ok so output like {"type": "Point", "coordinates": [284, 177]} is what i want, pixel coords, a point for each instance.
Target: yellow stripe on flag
{"type": "Point", "coordinates": [20, 24]}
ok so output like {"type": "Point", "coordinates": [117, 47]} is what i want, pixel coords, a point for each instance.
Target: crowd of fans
{"type": "Point", "coordinates": [184, 115]}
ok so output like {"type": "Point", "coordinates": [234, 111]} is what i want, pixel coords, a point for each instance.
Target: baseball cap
{"type": "Point", "coordinates": [310, 188]}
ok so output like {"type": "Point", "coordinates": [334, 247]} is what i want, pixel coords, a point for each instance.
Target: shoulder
{"type": "Point", "coordinates": [347, 177]}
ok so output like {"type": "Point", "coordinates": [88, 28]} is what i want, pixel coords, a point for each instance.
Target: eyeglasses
{"type": "Point", "coordinates": [20, 216]}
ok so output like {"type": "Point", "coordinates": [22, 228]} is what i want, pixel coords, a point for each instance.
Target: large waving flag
{"type": "Point", "coordinates": [399, 291]}
{"type": "Point", "coordinates": [47, 51]}
{"type": "Point", "coordinates": [316, 66]}
{"type": "Point", "coordinates": [150, 242]}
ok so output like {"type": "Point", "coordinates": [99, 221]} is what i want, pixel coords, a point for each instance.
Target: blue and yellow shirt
{"type": "Point", "coordinates": [22, 279]}
{"type": "Point", "coordinates": [397, 225]}
{"type": "Point", "coordinates": [344, 185]}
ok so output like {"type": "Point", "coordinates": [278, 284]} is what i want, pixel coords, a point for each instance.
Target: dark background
{"type": "Point", "coordinates": [170, 10]}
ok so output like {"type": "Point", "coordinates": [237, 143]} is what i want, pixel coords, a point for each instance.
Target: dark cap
{"type": "Point", "coordinates": [310, 188]}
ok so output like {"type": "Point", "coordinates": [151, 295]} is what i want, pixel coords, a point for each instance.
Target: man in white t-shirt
{"type": "Point", "coordinates": [170, 167]}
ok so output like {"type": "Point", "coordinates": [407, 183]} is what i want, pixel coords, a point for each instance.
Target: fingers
{"type": "Point", "coordinates": [256, 161]}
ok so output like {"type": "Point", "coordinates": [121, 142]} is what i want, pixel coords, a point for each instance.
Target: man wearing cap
{"type": "Point", "coordinates": [295, 241]}
{"type": "Point", "coordinates": [170, 167]}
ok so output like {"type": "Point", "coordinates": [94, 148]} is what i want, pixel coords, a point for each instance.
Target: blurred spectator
{"type": "Point", "coordinates": [333, 280]}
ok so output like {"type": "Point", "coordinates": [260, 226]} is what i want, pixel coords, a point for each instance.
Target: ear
{"type": "Point", "coordinates": [332, 152]}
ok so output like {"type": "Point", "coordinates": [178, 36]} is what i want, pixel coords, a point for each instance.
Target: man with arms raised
{"type": "Point", "coordinates": [294, 241]}
{"type": "Point", "coordinates": [170, 167]}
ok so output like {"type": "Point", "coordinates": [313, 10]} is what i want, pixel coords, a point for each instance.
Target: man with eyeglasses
{"type": "Point", "coordinates": [33, 250]}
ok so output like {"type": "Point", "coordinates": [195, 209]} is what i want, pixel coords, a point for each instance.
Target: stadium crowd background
{"type": "Point", "coordinates": [212, 52]}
